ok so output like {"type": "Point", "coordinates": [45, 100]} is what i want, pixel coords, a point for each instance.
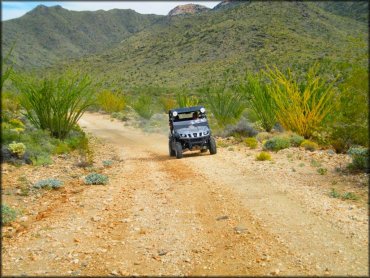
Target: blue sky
{"type": "Point", "coordinates": [12, 9]}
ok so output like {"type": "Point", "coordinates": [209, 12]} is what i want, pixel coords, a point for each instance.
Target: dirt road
{"type": "Point", "coordinates": [203, 214]}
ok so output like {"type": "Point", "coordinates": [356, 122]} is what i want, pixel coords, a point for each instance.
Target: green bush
{"type": "Point", "coordinates": [360, 158]}
{"type": "Point", "coordinates": [226, 105]}
{"type": "Point", "coordinates": [263, 136]}
{"type": "Point", "coordinates": [55, 104]}
{"type": "Point", "coordinates": [7, 214]}
{"type": "Point", "coordinates": [309, 145]}
{"type": "Point", "coordinates": [315, 163]}
{"type": "Point", "coordinates": [350, 196]}
{"type": "Point", "coordinates": [107, 163]}
{"type": "Point", "coordinates": [16, 123]}
{"type": "Point", "coordinates": [334, 194]}
{"type": "Point", "coordinates": [183, 99]}
{"type": "Point", "coordinates": [168, 103]}
{"type": "Point", "coordinates": [260, 100]}
{"type": "Point", "coordinates": [251, 142]}
{"type": "Point", "coordinates": [48, 183]}
{"type": "Point", "coordinates": [9, 103]}
{"type": "Point", "coordinates": [120, 116]}
{"type": "Point", "coordinates": [302, 106]}
{"type": "Point", "coordinates": [143, 106]}
{"type": "Point", "coordinates": [95, 178]}
{"type": "Point", "coordinates": [277, 143]}
{"type": "Point", "coordinates": [322, 171]}
{"type": "Point", "coordinates": [19, 149]}
{"type": "Point", "coordinates": [350, 125]}
{"type": "Point", "coordinates": [296, 140]}
{"type": "Point", "coordinates": [111, 102]}
{"type": "Point", "coordinates": [62, 148]}
{"type": "Point", "coordinates": [263, 156]}
{"type": "Point", "coordinates": [242, 129]}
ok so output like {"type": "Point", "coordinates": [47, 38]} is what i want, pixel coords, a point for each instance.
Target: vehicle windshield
{"type": "Point", "coordinates": [186, 123]}
{"type": "Point", "coordinates": [189, 116]}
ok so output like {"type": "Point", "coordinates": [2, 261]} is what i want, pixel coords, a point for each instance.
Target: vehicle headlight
{"type": "Point", "coordinates": [202, 110]}
{"type": "Point", "coordinates": [174, 113]}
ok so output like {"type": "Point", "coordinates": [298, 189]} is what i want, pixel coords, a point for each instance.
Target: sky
{"type": "Point", "coordinates": [12, 9]}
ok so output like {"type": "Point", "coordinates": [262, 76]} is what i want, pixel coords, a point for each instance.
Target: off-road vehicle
{"type": "Point", "coordinates": [189, 130]}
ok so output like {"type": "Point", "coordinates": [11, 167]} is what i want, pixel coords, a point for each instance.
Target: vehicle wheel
{"type": "Point", "coordinates": [171, 151]}
{"type": "Point", "coordinates": [178, 149]}
{"type": "Point", "coordinates": [212, 145]}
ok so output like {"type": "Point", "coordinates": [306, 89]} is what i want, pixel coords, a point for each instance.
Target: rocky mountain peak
{"type": "Point", "coordinates": [188, 9]}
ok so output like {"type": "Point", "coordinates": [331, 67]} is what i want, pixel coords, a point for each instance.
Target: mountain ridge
{"type": "Point", "coordinates": [46, 35]}
{"type": "Point", "coordinates": [185, 50]}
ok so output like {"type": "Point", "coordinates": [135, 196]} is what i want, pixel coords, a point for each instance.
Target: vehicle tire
{"type": "Point", "coordinates": [178, 150]}
{"type": "Point", "coordinates": [212, 145]}
{"type": "Point", "coordinates": [171, 151]}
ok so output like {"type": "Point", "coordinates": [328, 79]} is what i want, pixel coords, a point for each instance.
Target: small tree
{"type": "Point", "coordinates": [55, 104]}
{"type": "Point", "coordinates": [301, 107]}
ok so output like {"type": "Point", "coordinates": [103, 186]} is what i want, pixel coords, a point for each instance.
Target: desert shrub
{"type": "Point", "coordinates": [263, 156]}
{"type": "Point", "coordinates": [167, 103]}
{"type": "Point", "coordinates": [360, 158]}
{"type": "Point", "coordinates": [349, 196]}
{"type": "Point", "coordinates": [48, 183]}
{"type": "Point", "coordinates": [95, 178]}
{"type": "Point", "coordinates": [7, 214]}
{"type": "Point", "coordinates": [226, 105]}
{"type": "Point", "coordinates": [18, 149]}
{"type": "Point", "coordinates": [309, 145]}
{"type": "Point", "coordinates": [107, 163]}
{"type": "Point", "coordinates": [62, 148]}
{"type": "Point", "coordinates": [277, 143]}
{"type": "Point", "coordinates": [143, 106]}
{"type": "Point", "coordinates": [183, 99]}
{"type": "Point", "coordinates": [322, 171]}
{"type": "Point", "coordinates": [251, 142]}
{"type": "Point", "coordinates": [296, 140]}
{"type": "Point", "coordinates": [120, 116]}
{"type": "Point", "coordinates": [262, 136]}
{"type": "Point", "coordinates": [16, 123]}
{"type": "Point", "coordinates": [242, 129]}
{"type": "Point", "coordinates": [302, 107]}
{"type": "Point", "coordinates": [315, 163]}
{"type": "Point", "coordinates": [55, 104]}
{"type": "Point", "coordinates": [260, 100]}
{"type": "Point", "coordinates": [351, 122]}
{"type": "Point", "coordinates": [334, 194]}
{"type": "Point", "coordinates": [111, 102]}
{"type": "Point", "coordinates": [10, 102]}
{"type": "Point", "coordinates": [77, 139]}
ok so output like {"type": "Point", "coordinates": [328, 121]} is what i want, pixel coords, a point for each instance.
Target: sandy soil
{"type": "Point", "coordinates": [225, 214]}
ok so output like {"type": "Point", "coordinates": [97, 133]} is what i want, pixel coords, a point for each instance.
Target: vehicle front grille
{"type": "Point", "coordinates": [194, 134]}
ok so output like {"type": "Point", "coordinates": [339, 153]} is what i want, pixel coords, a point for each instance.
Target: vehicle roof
{"type": "Point", "coordinates": [186, 109]}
